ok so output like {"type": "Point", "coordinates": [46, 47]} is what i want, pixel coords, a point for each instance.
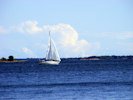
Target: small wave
{"type": "Point", "coordinates": [66, 84]}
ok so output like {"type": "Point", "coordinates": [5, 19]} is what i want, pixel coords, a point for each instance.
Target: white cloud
{"type": "Point", "coordinates": [29, 52]}
{"type": "Point", "coordinates": [65, 33]}
{"type": "Point", "coordinates": [29, 27]}
{"type": "Point", "coordinates": [66, 40]}
{"type": "Point", "coordinates": [25, 27]}
{"type": "Point", "coordinates": [68, 43]}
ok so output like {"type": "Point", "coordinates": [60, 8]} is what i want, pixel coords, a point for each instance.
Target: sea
{"type": "Point", "coordinates": [70, 80]}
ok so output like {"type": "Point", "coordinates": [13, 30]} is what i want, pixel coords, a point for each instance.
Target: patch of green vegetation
{"type": "Point", "coordinates": [11, 58]}
{"type": "Point", "coordinates": [3, 59]}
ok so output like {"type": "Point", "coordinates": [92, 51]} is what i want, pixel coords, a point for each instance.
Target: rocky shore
{"type": "Point", "coordinates": [6, 61]}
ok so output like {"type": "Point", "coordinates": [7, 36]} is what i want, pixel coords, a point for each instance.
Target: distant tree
{"type": "Point", "coordinates": [11, 58]}
{"type": "Point", "coordinates": [4, 59]}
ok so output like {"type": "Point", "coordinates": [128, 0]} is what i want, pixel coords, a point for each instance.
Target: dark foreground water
{"type": "Point", "coordinates": [70, 80]}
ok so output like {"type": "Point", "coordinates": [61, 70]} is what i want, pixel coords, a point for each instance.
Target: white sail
{"type": "Point", "coordinates": [51, 59]}
{"type": "Point", "coordinates": [49, 51]}
{"type": "Point", "coordinates": [55, 53]}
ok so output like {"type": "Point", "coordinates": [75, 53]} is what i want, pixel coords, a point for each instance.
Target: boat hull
{"type": "Point", "coordinates": [50, 62]}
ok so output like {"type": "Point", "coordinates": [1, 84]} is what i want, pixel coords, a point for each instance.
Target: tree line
{"type": "Point", "coordinates": [113, 57]}
{"type": "Point", "coordinates": [10, 58]}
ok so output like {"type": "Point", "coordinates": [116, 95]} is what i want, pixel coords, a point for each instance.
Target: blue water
{"type": "Point", "coordinates": [70, 80]}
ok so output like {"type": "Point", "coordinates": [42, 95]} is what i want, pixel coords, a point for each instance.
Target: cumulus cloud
{"type": "Point", "coordinates": [29, 27]}
{"type": "Point", "coordinates": [65, 37]}
{"type": "Point", "coordinates": [64, 33]}
{"type": "Point", "coordinates": [68, 43]}
{"type": "Point", "coordinates": [25, 27]}
{"type": "Point", "coordinates": [29, 52]}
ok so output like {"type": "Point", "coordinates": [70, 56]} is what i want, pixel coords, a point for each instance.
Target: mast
{"type": "Point", "coordinates": [49, 51]}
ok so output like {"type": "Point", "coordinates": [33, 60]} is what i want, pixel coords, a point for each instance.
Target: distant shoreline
{"type": "Point", "coordinates": [102, 58]}
{"type": "Point", "coordinates": [108, 58]}
{"type": "Point", "coordinates": [91, 59]}
{"type": "Point", "coordinates": [6, 61]}
{"type": "Point", "coordinates": [130, 57]}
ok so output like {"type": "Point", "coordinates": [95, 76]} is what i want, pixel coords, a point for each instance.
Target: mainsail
{"type": "Point", "coordinates": [49, 55]}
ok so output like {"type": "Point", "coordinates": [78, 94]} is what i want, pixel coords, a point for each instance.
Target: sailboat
{"type": "Point", "coordinates": [52, 58]}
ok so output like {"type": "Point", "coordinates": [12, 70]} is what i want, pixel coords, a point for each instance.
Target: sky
{"type": "Point", "coordinates": [79, 28]}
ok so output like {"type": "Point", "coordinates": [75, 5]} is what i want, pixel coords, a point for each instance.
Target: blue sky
{"type": "Point", "coordinates": [80, 28]}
